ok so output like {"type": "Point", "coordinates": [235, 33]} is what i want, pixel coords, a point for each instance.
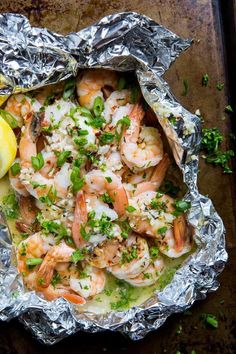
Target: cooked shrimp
{"type": "Point", "coordinates": [150, 275]}
{"type": "Point", "coordinates": [20, 105]}
{"type": "Point", "coordinates": [134, 259]}
{"type": "Point", "coordinates": [98, 182]}
{"type": "Point", "coordinates": [27, 210]}
{"type": "Point", "coordinates": [90, 85]}
{"type": "Point", "coordinates": [156, 178]}
{"type": "Point", "coordinates": [116, 107]}
{"type": "Point", "coordinates": [35, 182]}
{"type": "Point", "coordinates": [51, 293]}
{"type": "Point", "coordinates": [35, 246]}
{"type": "Point", "coordinates": [176, 241]}
{"type": "Point", "coordinates": [90, 203]}
{"type": "Point", "coordinates": [92, 283]}
{"type": "Point", "coordinates": [140, 147]}
{"type": "Point", "coordinates": [106, 254]}
{"type": "Point", "coordinates": [153, 216]}
{"type": "Point", "coordinates": [57, 254]}
{"type": "Point", "coordinates": [16, 183]}
{"type": "Point", "coordinates": [80, 218]}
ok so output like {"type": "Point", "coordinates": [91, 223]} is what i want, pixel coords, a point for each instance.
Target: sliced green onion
{"type": "Point", "coordinates": [9, 118]}
{"type": "Point", "coordinates": [62, 157]}
{"type": "Point", "coordinates": [162, 230]}
{"type": "Point", "coordinates": [37, 161]}
{"type": "Point", "coordinates": [98, 106]}
{"type": "Point", "coordinates": [15, 169]}
{"type": "Point", "coordinates": [33, 261]}
{"type": "Point", "coordinates": [130, 209]}
{"type": "Point", "coordinates": [106, 138]}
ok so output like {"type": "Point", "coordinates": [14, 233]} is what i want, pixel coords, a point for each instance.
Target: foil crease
{"type": "Point", "coordinates": [33, 57]}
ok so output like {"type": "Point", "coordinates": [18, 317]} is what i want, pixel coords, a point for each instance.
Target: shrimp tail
{"type": "Point", "coordinates": [180, 232]}
{"type": "Point", "coordinates": [45, 272]}
{"type": "Point", "coordinates": [80, 218]}
{"type": "Point", "coordinates": [57, 254]}
{"type": "Point", "coordinates": [120, 200]}
{"type": "Point", "coordinates": [160, 171]}
{"type": "Point", "coordinates": [51, 293]}
{"type": "Point", "coordinates": [75, 299]}
{"type": "Point", "coordinates": [131, 134]}
{"type": "Point", "coordinates": [156, 179]}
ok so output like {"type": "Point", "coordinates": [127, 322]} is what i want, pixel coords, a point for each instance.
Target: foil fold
{"type": "Point", "coordinates": [34, 57]}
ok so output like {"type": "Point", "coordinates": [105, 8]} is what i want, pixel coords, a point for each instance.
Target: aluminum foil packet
{"type": "Point", "coordinates": [33, 57]}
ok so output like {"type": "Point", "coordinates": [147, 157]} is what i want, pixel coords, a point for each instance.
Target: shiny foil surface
{"type": "Point", "coordinates": [33, 57]}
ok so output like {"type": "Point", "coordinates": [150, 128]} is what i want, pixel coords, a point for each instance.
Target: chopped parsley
{"type": "Point", "coordinates": [158, 205]}
{"type": "Point", "coordinates": [220, 86]}
{"type": "Point", "coordinates": [15, 169]}
{"type": "Point", "coordinates": [185, 89]}
{"type": "Point", "coordinates": [50, 197]}
{"type": "Point", "coordinates": [41, 281]}
{"type": "Point", "coordinates": [129, 254]}
{"type": "Point", "coordinates": [122, 124]}
{"type": "Point", "coordinates": [23, 249]}
{"type": "Point", "coordinates": [205, 79]}
{"type": "Point", "coordinates": [179, 329]}
{"type": "Point", "coordinates": [37, 161]}
{"type": "Point", "coordinates": [130, 209]}
{"type": "Point", "coordinates": [108, 292]}
{"type": "Point", "coordinates": [125, 228]}
{"type": "Point", "coordinates": [211, 139]}
{"type": "Point", "coordinates": [154, 252]}
{"type": "Point", "coordinates": [10, 206]}
{"type": "Point", "coordinates": [229, 109]}
{"type": "Point", "coordinates": [58, 230]}
{"type": "Point", "coordinates": [125, 296]}
{"type": "Point", "coordinates": [222, 159]}
{"type": "Point", "coordinates": [211, 145]}
{"type": "Point", "coordinates": [210, 320]}
{"type": "Point", "coordinates": [106, 198]}
{"type": "Point", "coordinates": [78, 255]}
{"type": "Point", "coordinates": [181, 206]}
{"type": "Point", "coordinates": [162, 230]}
{"type": "Point", "coordinates": [37, 185]}
{"type": "Point", "coordinates": [103, 226]}
{"type": "Point", "coordinates": [106, 138]}
{"type": "Point", "coordinates": [56, 279]}
{"type": "Point", "coordinates": [62, 157]}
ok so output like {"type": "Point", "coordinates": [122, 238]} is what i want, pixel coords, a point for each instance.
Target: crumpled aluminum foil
{"type": "Point", "coordinates": [33, 57]}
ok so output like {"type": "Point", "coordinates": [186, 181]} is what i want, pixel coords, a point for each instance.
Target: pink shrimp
{"type": "Point", "coordinates": [80, 218]}
{"type": "Point", "coordinates": [98, 182]}
{"type": "Point", "coordinates": [141, 147]}
{"type": "Point", "coordinates": [57, 254]}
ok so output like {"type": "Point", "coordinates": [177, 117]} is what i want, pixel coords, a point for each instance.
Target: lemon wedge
{"type": "Point", "coordinates": [8, 147]}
